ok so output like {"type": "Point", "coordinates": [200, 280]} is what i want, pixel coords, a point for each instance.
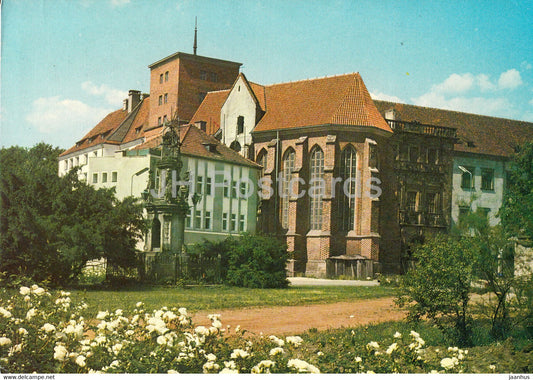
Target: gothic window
{"type": "Point", "coordinates": [348, 173]}
{"type": "Point", "coordinates": [262, 160]}
{"type": "Point", "coordinates": [373, 156]}
{"type": "Point", "coordinates": [286, 176]}
{"type": "Point", "coordinates": [316, 177]}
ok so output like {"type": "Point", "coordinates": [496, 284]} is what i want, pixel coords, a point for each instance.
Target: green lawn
{"type": "Point", "coordinates": [222, 297]}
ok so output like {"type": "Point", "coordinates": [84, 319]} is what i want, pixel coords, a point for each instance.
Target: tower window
{"type": "Point", "coordinates": [160, 99]}
{"type": "Point", "coordinates": [161, 78]}
{"type": "Point", "coordinates": [166, 98]}
{"type": "Point", "coordinates": [166, 76]}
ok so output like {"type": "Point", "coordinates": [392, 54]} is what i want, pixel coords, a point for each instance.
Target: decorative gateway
{"type": "Point", "coordinates": [166, 201]}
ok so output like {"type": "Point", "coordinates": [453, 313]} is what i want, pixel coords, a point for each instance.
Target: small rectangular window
{"type": "Point", "coordinates": [213, 77]}
{"type": "Point", "coordinates": [234, 189]}
{"type": "Point", "coordinates": [203, 75]}
{"type": "Point", "coordinates": [166, 98]}
{"type": "Point", "coordinates": [208, 186]}
{"type": "Point", "coordinates": [188, 220]}
{"type": "Point", "coordinates": [159, 120]}
{"type": "Point", "coordinates": [413, 153]}
{"type": "Point", "coordinates": [433, 156]}
{"type": "Point", "coordinates": [160, 99]}
{"type": "Point", "coordinates": [487, 179]}
{"type": "Point", "coordinates": [242, 190]}
{"type": "Point", "coordinates": [95, 177]}
{"type": "Point", "coordinates": [114, 176]}
{"type": "Point", "coordinates": [241, 223]}
{"type": "Point", "coordinates": [161, 78]}
{"type": "Point", "coordinates": [224, 221]}
{"type": "Point", "coordinates": [373, 156]}
{"type": "Point", "coordinates": [412, 201]}
{"type": "Point", "coordinates": [104, 177]}
{"type": "Point", "coordinates": [403, 152]}
{"type": "Point", "coordinates": [164, 119]}
{"type": "Point", "coordinates": [226, 188]}
{"type": "Point", "coordinates": [467, 178]}
{"type": "Point", "coordinates": [233, 224]}
{"type": "Point", "coordinates": [166, 76]}
{"type": "Point", "coordinates": [198, 219]}
{"type": "Point", "coordinates": [199, 184]}
{"type": "Point", "coordinates": [207, 220]}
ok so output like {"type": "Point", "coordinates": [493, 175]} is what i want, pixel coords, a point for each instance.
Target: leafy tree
{"type": "Point", "coordinates": [51, 226]}
{"type": "Point", "coordinates": [439, 286]}
{"type": "Point", "coordinates": [517, 209]}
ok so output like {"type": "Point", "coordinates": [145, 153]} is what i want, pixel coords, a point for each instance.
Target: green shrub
{"type": "Point", "coordinates": [257, 262]}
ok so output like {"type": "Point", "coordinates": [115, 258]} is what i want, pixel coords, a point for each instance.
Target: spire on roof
{"type": "Point", "coordinates": [195, 35]}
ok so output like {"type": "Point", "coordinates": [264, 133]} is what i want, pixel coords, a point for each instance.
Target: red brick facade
{"type": "Point", "coordinates": [185, 79]}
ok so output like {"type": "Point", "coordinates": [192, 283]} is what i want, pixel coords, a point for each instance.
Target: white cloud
{"type": "Point", "coordinates": [479, 105]}
{"type": "Point", "coordinates": [484, 83]}
{"type": "Point", "coordinates": [111, 95]}
{"type": "Point", "coordinates": [455, 83]}
{"type": "Point", "coordinates": [55, 115]}
{"type": "Point", "coordinates": [119, 3]}
{"type": "Point", "coordinates": [510, 79]}
{"type": "Point", "coordinates": [389, 98]}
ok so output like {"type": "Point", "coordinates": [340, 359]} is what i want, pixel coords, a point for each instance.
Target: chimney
{"type": "Point", "coordinates": [201, 125]}
{"type": "Point", "coordinates": [391, 114]}
{"type": "Point", "coordinates": [125, 105]}
{"type": "Point", "coordinates": [134, 98]}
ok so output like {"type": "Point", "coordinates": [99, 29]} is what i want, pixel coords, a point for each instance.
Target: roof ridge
{"type": "Point", "coordinates": [455, 111]}
{"type": "Point", "coordinates": [312, 79]}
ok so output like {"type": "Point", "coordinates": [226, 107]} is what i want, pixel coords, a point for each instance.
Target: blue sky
{"type": "Point", "coordinates": [66, 64]}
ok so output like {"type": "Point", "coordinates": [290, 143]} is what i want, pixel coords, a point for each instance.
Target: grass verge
{"type": "Point", "coordinates": [223, 297]}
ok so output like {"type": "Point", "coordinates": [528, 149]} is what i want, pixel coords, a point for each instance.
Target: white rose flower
{"type": "Point", "coordinates": [116, 348]}
{"type": "Point", "coordinates": [182, 311]}
{"type": "Point", "coordinates": [172, 372]}
{"type": "Point", "coordinates": [102, 314]}
{"type": "Point", "coordinates": [373, 345]}
{"type": "Point", "coordinates": [25, 290]}
{"type": "Point", "coordinates": [278, 341]}
{"type": "Point", "coordinates": [5, 313]}
{"type": "Point", "coordinates": [60, 353]}
{"type": "Point", "coordinates": [414, 334]}
{"type": "Point", "coordinates": [211, 357]}
{"type": "Point", "coordinates": [302, 366]}
{"type": "Point", "coordinates": [358, 359]}
{"type": "Point", "coordinates": [238, 353]}
{"type": "Point", "coordinates": [447, 363]}
{"type": "Point", "coordinates": [39, 291]}
{"type": "Point", "coordinates": [391, 348]}
{"type": "Point", "coordinates": [22, 331]}
{"type": "Point", "coordinates": [31, 313]}
{"type": "Point", "coordinates": [27, 298]}
{"type": "Point", "coordinates": [294, 340]}
{"type": "Point", "coordinates": [276, 351]}
{"type": "Point", "coordinates": [397, 334]}
{"type": "Point", "coordinates": [228, 371]}
{"type": "Point", "coordinates": [80, 360]}
{"type": "Point", "coordinates": [161, 340]}
{"type": "Point", "coordinates": [217, 324]}
{"type": "Point", "coordinates": [5, 341]}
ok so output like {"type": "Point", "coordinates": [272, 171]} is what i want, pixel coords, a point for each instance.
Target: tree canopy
{"type": "Point", "coordinates": [50, 226]}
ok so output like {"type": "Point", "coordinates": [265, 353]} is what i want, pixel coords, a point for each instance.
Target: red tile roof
{"type": "Point", "coordinates": [341, 99]}
{"type": "Point", "coordinates": [209, 110]}
{"type": "Point", "coordinates": [194, 143]}
{"type": "Point", "coordinates": [140, 122]}
{"type": "Point", "coordinates": [100, 132]}
{"type": "Point", "coordinates": [477, 134]}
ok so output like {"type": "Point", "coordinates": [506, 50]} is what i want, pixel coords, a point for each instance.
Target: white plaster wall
{"type": "Point", "coordinates": [478, 198]}
{"type": "Point", "coordinates": [239, 103]}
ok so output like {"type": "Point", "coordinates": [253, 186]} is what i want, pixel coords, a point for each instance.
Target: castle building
{"type": "Point", "coordinates": [349, 183]}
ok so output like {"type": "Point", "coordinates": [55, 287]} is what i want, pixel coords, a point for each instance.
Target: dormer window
{"type": "Point", "coordinates": [138, 130]}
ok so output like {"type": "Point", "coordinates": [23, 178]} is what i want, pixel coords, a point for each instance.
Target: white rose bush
{"type": "Point", "coordinates": [45, 332]}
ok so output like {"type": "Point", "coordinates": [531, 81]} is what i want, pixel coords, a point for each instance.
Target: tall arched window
{"type": "Point", "coordinates": [262, 160]}
{"type": "Point", "coordinates": [316, 190]}
{"type": "Point", "coordinates": [348, 174]}
{"type": "Point", "coordinates": [286, 175]}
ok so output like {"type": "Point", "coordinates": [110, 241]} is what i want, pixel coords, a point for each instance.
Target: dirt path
{"type": "Point", "coordinates": [297, 319]}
